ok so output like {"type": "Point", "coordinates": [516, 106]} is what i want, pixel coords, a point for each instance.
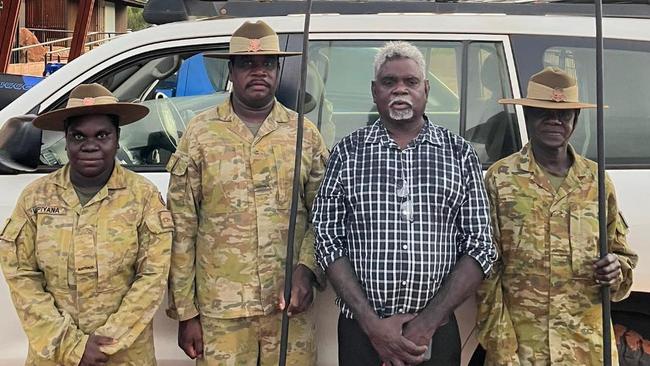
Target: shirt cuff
{"type": "Point", "coordinates": [326, 261]}
{"type": "Point", "coordinates": [483, 260]}
{"type": "Point", "coordinates": [74, 358]}
{"type": "Point", "coordinates": [183, 314]}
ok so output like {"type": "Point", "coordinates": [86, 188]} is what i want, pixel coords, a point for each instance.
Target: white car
{"type": "Point", "coordinates": [474, 54]}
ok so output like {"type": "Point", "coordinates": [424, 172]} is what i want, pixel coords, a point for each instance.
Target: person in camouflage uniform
{"type": "Point", "coordinates": [541, 305]}
{"type": "Point", "coordinates": [86, 251]}
{"type": "Point", "coordinates": [230, 195]}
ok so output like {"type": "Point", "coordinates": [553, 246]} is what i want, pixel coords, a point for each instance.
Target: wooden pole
{"type": "Point", "coordinates": [8, 24]}
{"type": "Point", "coordinates": [84, 14]}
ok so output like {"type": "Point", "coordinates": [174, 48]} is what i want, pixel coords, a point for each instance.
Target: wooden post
{"type": "Point", "coordinates": [84, 13]}
{"type": "Point", "coordinates": [8, 23]}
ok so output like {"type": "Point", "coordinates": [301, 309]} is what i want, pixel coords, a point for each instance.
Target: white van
{"type": "Point", "coordinates": [475, 54]}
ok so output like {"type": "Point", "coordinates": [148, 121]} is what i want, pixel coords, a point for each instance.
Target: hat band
{"type": "Point", "coordinates": [252, 45]}
{"type": "Point", "coordinates": [543, 92]}
{"type": "Point", "coordinates": [90, 101]}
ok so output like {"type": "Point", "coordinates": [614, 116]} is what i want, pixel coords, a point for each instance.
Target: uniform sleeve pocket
{"type": "Point", "coordinates": [177, 164]}
{"type": "Point", "coordinates": [160, 223]}
{"type": "Point", "coordinates": [8, 250]}
{"type": "Point", "coordinates": [11, 229]}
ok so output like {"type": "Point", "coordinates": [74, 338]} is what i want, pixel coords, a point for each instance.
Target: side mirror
{"type": "Point", "coordinates": [20, 145]}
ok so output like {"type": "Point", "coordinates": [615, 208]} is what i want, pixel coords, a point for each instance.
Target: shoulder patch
{"type": "Point", "coordinates": [166, 220]}
{"type": "Point", "coordinates": [49, 210]}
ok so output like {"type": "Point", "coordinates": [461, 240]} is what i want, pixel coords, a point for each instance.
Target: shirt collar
{"type": "Point", "coordinates": [225, 112]}
{"type": "Point", "coordinates": [117, 179]}
{"type": "Point", "coordinates": [430, 133]}
{"type": "Point", "coordinates": [579, 168]}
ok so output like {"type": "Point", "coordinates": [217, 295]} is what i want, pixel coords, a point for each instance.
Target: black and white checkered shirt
{"type": "Point", "coordinates": [362, 212]}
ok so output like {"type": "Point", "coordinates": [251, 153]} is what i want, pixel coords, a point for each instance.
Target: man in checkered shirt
{"type": "Point", "coordinates": [402, 225]}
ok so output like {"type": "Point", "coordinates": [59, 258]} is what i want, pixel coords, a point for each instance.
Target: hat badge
{"type": "Point", "coordinates": [558, 95]}
{"type": "Point", "coordinates": [88, 101]}
{"type": "Point", "coordinates": [254, 45]}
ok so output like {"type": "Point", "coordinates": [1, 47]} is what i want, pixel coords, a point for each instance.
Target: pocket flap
{"type": "Point", "coordinates": [12, 228]}
{"type": "Point", "coordinates": [583, 238]}
{"type": "Point", "coordinates": [177, 164]}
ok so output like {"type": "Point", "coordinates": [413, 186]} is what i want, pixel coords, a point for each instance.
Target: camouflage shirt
{"type": "Point", "coordinates": [120, 244]}
{"type": "Point", "coordinates": [230, 195]}
{"type": "Point", "coordinates": [541, 305]}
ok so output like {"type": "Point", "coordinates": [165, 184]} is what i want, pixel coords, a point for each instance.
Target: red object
{"type": "Point", "coordinates": [84, 13]}
{"type": "Point", "coordinates": [8, 23]}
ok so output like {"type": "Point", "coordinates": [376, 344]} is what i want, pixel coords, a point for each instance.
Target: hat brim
{"type": "Point", "coordinates": [261, 53]}
{"type": "Point", "coordinates": [547, 104]}
{"type": "Point", "coordinates": [125, 112]}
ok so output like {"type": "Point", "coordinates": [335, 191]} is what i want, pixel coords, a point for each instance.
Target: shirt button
{"type": "Point", "coordinates": [403, 283]}
{"type": "Point", "coordinates": [400, 310]}
{"type": "Point", "coordinates": [405, 246]}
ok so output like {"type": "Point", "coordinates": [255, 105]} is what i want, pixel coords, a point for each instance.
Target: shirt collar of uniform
{"type": "Point", "coordinates": [578, 171]}
{"type": "Point", "coordinates": [61, 179]}
{"type": "Point", "coordinates": [225, 112]}
{"type": "Point", "coordinates": [117, 179]}
{"type": "Point", "coordinates": [379, 134]}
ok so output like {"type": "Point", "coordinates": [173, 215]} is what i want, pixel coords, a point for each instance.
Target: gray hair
{"type": "Point", "coordinates": [399, 49]}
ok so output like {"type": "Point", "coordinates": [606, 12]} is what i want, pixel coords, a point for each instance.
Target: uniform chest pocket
{"type": "Point", "coordinates": [521, 240]}
{"type": "Point", "coordinates": [284, 164]}
{"type": "Point", "coordinates": [116, 250]}
{"type": "Point", "coordinates": [583, 229]}
{"type": "Point", "coordinates": [225, 180]}
{"type": "Point", "coordinates": [53, 246]}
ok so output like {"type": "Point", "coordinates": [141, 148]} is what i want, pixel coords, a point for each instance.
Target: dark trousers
{"type": "Point", "coordinates": [355, 348]}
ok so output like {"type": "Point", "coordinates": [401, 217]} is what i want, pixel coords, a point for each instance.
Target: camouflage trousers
{"type": "Point", "coordinates": [141, 353]}
{"type": "Point", "coordinates": [256, 341]}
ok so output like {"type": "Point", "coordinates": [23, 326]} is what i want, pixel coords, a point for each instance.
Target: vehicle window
{"type": "Point", "coordinates": [627, 120]}
{"type": "Point", "coordinates": [175, 87]}
{"type": "Point", "coordinates": [339, 77]}
{"type": "Point", "coordinates": [491, 127]}
{"type": "Point", "coordinates": [340, 102]}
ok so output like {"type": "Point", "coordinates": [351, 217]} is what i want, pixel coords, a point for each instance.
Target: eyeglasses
{"type": "Point", "coordinates": [563, 115]}
{"type": "Point", "coordinates": [406, 207]}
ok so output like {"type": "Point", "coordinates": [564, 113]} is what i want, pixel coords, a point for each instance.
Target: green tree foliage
{"type": "Point", "coordinates": [135, 19]}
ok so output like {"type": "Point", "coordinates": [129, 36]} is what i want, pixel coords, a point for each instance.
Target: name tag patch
{"type": "Point", "coordinates": [49, 210]}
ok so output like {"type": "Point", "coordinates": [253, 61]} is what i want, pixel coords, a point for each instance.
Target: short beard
{"type": "Point", "coordinates": [400, 115]}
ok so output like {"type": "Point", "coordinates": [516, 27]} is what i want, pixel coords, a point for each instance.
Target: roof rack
{"type": "Point", "coordinates": [166, 11]}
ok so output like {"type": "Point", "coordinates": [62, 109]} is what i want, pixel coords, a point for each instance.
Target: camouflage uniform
{"type": "Point", "coordinates": [99, 269]}
{"type": "Point", "coordinates": [230, 195]}
{"type": "Point", "coordinates": [541, 305]}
